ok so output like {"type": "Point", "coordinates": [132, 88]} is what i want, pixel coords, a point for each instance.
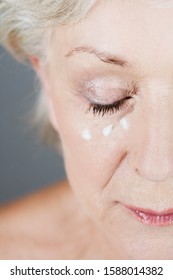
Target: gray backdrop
{"type": "Point", "coordinates": [25, 164]}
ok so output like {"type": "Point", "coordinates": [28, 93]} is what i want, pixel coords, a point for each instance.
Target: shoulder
{"type": "Point", "coordinates": [33, 227]}
{"type": "Point", "coordinates": [28, 209]}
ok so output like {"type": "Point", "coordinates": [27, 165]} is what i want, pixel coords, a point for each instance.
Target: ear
{"type": "Point", "coordinates": [42, 73]}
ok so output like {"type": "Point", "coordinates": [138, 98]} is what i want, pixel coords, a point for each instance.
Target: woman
{"type": "Point", "coordinates": [106, 72]}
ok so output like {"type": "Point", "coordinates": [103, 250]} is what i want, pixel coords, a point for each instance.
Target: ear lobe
{"type": "Point", "coordinates": [44, 79]}
{"type": "Point", "coordinates": [35, 62]}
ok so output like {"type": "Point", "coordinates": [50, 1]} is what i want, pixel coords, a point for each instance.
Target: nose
{"type": "Point", "coordinates": [151, 148]}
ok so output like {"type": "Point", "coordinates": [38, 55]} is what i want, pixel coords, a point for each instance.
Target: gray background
{"type": "Point", "coordinates": [25, 164]}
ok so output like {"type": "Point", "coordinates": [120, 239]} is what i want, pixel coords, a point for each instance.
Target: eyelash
{"type": "Point", "coordinates": [103, 109]}
{"type": "Point", "coordinates": [100, 109]}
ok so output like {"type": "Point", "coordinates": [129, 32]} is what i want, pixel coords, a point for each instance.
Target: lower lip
{"type": "Point", "coordinates": [152, 219]}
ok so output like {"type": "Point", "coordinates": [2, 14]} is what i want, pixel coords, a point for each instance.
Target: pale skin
{"type": "Point", "coordinates": [132, 165]}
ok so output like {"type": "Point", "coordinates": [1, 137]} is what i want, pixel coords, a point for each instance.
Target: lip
{"type": "Point", "coordinates": [151, 217]}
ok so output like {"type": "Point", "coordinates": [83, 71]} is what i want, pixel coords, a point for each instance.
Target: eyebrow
{"type": "Point", "coordinates": [103, 56]}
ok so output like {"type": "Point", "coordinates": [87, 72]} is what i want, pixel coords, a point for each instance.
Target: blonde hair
{"type": "Point", "coordinates": [25, 28]}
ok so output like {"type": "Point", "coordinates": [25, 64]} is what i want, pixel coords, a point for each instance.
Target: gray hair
{"type": "Point", "coordinates": [25, 28]}
{"type": "Point", "coordinates": [22, 33]}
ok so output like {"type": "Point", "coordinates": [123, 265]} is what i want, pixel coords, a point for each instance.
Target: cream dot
{"type": "Point", "coordinates": [107, 130]}
{"type": "Point", "coordinates": [86, 134]}
{"type": "Point", "coordinates": [124, 123]}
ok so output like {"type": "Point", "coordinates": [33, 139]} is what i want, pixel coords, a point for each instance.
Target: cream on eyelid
{"type": "Point", "coordinates": [124, 124]}
{"type": "Point", "coordinates": [108, 130]}
{"type": "Point", "coordinates": [86, 134]}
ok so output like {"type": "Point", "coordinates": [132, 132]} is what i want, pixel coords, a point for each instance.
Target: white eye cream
{"type": "Point", "coordinates": [107, 130]}
{"type": "Point", "coordinates": [124, 124]}
{"type": "Point", "coordinates": [86, 134]}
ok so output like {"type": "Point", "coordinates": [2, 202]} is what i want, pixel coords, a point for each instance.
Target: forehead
{"type": "Point", "coordinates": [140, 31]}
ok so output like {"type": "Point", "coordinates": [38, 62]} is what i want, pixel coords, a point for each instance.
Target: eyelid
{"type": "Point", "coordinates": [123, 94]}
{"type": "Point", "coordinates": [107, 90]}
{"type": "Point", "coordinates": [108, 96]}
{"type": "Point", "coordinates": [115, 102]}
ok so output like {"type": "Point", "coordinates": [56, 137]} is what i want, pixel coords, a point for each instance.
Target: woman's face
{"type": "Point", "coordinates": [109, 85]}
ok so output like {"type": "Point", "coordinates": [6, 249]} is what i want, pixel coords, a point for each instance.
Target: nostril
{"type": "Point", "coordinates": [155, 173]}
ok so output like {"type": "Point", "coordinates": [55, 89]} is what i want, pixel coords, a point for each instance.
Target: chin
{"type": "Point", "coordinates": [141, 247]}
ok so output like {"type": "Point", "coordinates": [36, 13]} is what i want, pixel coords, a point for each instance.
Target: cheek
{"type": "Point", "coordinates": [93, 148]}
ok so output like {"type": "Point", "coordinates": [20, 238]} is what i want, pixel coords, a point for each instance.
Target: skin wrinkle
{"type": "Point", "coordinates": [131, 167]}
{"type": "Point", "coordinates": [114, 169]}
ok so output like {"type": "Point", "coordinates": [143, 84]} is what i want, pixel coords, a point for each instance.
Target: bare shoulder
{"type": "Point", "coordinates": [28, 209]}
{"type": "Point", "coordinates": [44, 225]}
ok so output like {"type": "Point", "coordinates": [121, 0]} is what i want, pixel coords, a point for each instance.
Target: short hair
{"type": "Point", "coordinates": [25, 28]}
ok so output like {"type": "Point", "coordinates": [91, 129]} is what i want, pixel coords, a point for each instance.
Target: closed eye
{"type": "Point", "coordinates": [103, 109]}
